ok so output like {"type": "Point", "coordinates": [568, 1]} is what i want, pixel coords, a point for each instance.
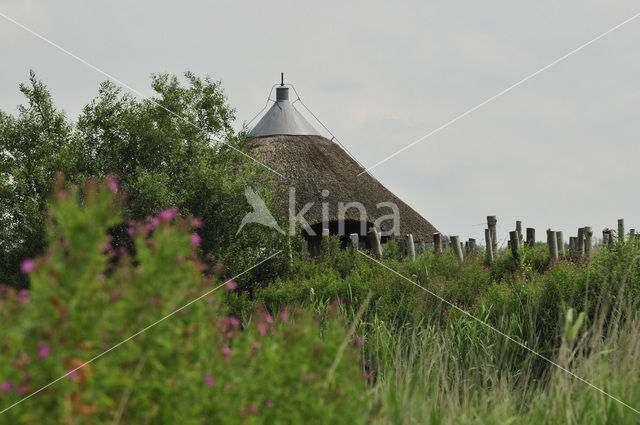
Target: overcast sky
{"type": "Point", "coordinates": [560, 151]}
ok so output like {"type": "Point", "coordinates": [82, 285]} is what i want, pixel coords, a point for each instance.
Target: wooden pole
{"type": "Point", "coordinates": [374, 242]}
{"type": "Point", "coordinates": [491, 223]}
{"type": "Point", "coordinates": [552, 242]}
{"type": "Point", "coordinates": [437, 243]}
{"type": "Point", "coordinates": [402, 247]}
{"type": "Point", "coordinates": [411, 249]}
{"type": "Point", "coordinates": [489, 244]}
{"type": "Point", "coordinates": [573, 244]}
{"type": "Point", "coordinates": [621, 230]}
{"type": "Point", "coordinates": [531, 237]}
{"type": "Point", "coordinates": [421, 247]}
{"type": "Point", "coordinates": [513, 242]}
{"type": "Point", "coordinates": [605, 237]}
{"type": "Point", "coordinates": [457, 249]}
{"type": "Point", "coordinates": [519, 230]}
{"type": "Point", "coordinates": [588, 243]}
{"type": "Point", "coordinates": [472, 245]}
{"type": "Point", "coordinates": [560, 243]}
{"type": "Point", "coordinates": [580, 247]}
{"type": "Point", "coordinates": [355, 241]}
{"type": "Point", "coordinates": [612, 239]}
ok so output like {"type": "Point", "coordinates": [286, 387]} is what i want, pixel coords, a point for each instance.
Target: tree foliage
{"type": "Point", "coordinates": [175, 149]}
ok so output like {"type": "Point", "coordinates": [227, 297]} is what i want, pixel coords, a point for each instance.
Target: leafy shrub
{"type": "Point", "coordinates": [200, 365]}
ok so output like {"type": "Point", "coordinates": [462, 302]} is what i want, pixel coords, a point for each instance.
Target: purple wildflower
{"type": "Point", "coordinates": [23, 294]}
{"type": "Point", "coordinates": [113, 183]}
{"type": "Point", "coordinates": [27, 266]}
{"type": "Point", "coordinates": [43, 350]}
{"type": "Point", "coordinates": [209, 380]}
{"type": "Point", "coordinates": [169, 214]}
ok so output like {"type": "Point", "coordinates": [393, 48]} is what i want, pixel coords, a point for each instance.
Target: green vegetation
{"type": "Point", "coordinates": [334, 339]}
{"type": "Point", "coordinates": [161, 160]}
{"type": "Point", "coordinates": [199, 364]}
{"type": "Point", "coordinates": [339, 339]}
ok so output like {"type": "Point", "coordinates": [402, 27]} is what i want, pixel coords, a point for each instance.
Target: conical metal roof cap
{"type": "Point", "coordinates": [283, 119]}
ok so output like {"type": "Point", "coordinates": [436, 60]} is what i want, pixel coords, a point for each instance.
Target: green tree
{"type": "Point", "coordinates": [33, 145]}
{"type": "Point", "coordinates": [176, 149]}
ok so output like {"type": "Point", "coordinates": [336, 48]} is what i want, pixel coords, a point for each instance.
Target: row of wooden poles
{"type": "Point", "coordinates": [579, 246]}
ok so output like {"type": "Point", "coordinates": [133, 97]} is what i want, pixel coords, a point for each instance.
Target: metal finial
{"type": "Point", "coordinates": [282, 78]}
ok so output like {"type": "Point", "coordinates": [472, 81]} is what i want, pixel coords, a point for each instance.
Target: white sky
{"type": "Point", "coordinates": [559, 151]}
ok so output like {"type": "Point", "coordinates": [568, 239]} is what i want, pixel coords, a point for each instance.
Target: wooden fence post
{"type": "Point", "coordinates": [560, 243]}
{"type": "Point", "coordinates": [513, 242]}
{"type": "Point", "coordinates": [621, 230]}
{"type": "Point", "coordinates": [491, 223]}
{"type": "Point", "coordinates": [588, 243]}
{"type": "Point", "coordinates": [519, 230]}
{"type": "Point", "coordinates": [374, 242]}
{"type": "Point", "coordinates": [531, 237]}
{"type": "Point", "coordinates": [573, 245]}
{"type": "Point", "coordinates": [489, 245]}
{"type": "Point", "coordinates": [580, 248]}
{"type": "Point", "coordinates": [411, 249]}
{"type": "Point", "coordinates": [605, 237]}
{"type": "Point", "coordinates": [472, 245]}
{"type": "Point", "coordinates": [437, 243]}
{"type": "Point", "coordinates": [421, 247]}
{"type": "Point", "coordinates": [402, 247]}
{"type": "Point", "coordinates": [612, 239]}
{"type": "Point", "coordinates": [552, 242]}
{"type": "Point", "coordinates": [457, 249]}
{"type": "Point", "coordinates": [355, 241]}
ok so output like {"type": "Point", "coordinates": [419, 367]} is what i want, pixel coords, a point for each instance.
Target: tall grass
{"type": "Point", "coordinates": [456, 375]}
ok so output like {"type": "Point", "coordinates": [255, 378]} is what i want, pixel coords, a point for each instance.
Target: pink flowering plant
{"type": "Point", "coordinates": [200, 365]}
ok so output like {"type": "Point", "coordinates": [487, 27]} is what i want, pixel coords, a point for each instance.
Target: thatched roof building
{"type": "Point", "coordinates": [325, 175]}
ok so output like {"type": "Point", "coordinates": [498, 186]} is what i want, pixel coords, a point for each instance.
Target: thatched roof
{"type": "Point", "coordinates": [314, 163]}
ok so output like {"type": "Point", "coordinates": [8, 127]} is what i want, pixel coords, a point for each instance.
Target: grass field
{"type": "Point", "coordinates": [335, 339]}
